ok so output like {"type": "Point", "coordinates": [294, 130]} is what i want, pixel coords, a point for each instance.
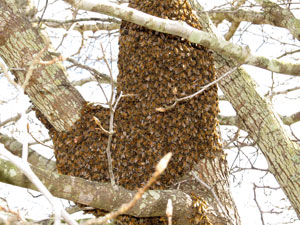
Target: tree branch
{"type": "Point", "coordinates": [104, 78]}
{"type": "Point", "coordinates": [232, 120]}
{"type": "Point", "coordinates": [85, 27]}
{"type": "Point", "coordinates": [34, 158]}
{"type": "Point", "coordinates": [241, 55]}
{"type": "Point", "coordinates": [272, 15]}
{"type": "Point", "coordinates": [57, 207]}
{"type": "Point", "coordinates": [98, 195]}
{"type": "Point", "coordinates": [11, 119]}
{"type": "Point", "coordinates": [281, 17]}
{"type": "Point", "coordinates": [289, 120]}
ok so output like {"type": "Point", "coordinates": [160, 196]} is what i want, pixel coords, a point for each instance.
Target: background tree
{"type": "Point", "coordinates": [240, 102]}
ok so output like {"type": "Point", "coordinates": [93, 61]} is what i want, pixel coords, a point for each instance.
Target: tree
{"type": "Point", "coordinates": [63, 115]}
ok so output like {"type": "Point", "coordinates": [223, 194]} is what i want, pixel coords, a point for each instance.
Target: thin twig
{"type": "Point", "coordinates": [23, 124]}
{"type": "Point", "coordinates": [38, 142]}
{"type": "Point", "coordinates": [258, 206]}
{"type": "Point", "coordinates": [161, 166]}
{"type": "Point", "coordinates": [97, 121]}
{"type": "Point", "coordinates": [164, 109]}
{"type": "Point", "coordinates": [110, 74]}
{"type": "Point", "coordinates": [101, 77]}
{"type": "Point", "coordinates": [111, 122]}
{"type": "Point", "coordinates": [214, 195]}
{"type": "Point", "coordinates": [116, 103]}
{"type": "Point", "coordinates": [5, 72]}
{"type": "Point", "coordinates": [169, 211]}
{"type": "Point", "coordinates": [20, 100]}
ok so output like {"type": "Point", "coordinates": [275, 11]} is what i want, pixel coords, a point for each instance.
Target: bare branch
{"type": "Point", "coordinates": [83, 81]}
{"type": "Point", "coordinates": [103, 77]}
{"type": "Point", "coordinates": [34, 158]}
{"type": "Point", "coordinates": [11, 119]}
{"type": "Point", "coordinates": [105, 24]}
{"type": "Point", "coordinates": [281, 17]}
{"type": "Point", "coordinates": [258, 206]}
{"type": "Point", "coordinates": [163, 109]}
{"type": "Point", "coordinates": [99, 195]}
{"type": "Point", "coordinates": [274, 15]}
{"type": "Point", "coordinates": [5, 72]}
{"type": "Point", "coordinates": [289, 120]}
{"type": "Point", "coordinates": [234, 26]}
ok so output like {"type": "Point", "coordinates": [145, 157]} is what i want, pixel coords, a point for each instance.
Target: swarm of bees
{"type": "Point", "coordinates": [155, 68]}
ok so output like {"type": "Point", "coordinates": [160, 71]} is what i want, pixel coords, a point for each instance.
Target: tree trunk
{"type": "Point", "coordinates": [48, 87]}
{"type": "Point", "coordinates": [266, 129]}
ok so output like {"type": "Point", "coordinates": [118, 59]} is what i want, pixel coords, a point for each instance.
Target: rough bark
{"type": "Point", "coordinates": [265, 128]}
{"type": "Point", "coordinates": [98, 195]}
{"type": "Point", "coordinates": [48, 86]}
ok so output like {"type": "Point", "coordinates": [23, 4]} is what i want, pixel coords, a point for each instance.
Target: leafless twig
{"type": "Point", "coordinates": [5, 72]}
{"type": "Point", "coordinates": [258, 206]}
{"type": "Point", "coordinates": [164, 109]}
{"type": "Point", "coordinates": [169, 211]}
{"type": "Point", "coordinates": [97, 121]}
{"type": "Point", "coordinates": [112, 109]}
{"type": "Point", "coordinates": [195, 175]}
{"type": "Point", "coordinates": [39, 142]}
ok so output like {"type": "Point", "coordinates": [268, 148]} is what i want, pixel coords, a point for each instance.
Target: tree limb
{"type": "Point", "coordinates": [273, 15]}
{"type": "Point", "coordinates": [98, 195]}
{"type": "Point", "coordinates": [11, 119]}
{"type": "Point", "coordinates": [34, 158]}
{"type": "Point", "coordinates": [281, 17]}
{"type": "Point", "coordinates": [57, 207]}
{"type": "Point", "coordinates": [289, 120]}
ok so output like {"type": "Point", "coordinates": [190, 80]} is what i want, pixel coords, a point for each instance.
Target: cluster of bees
{"type": "Point", "coordinates": [154, 70]}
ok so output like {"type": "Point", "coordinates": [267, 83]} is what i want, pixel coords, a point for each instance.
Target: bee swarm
{"type": "Point", "coordinates": [155, 68]}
